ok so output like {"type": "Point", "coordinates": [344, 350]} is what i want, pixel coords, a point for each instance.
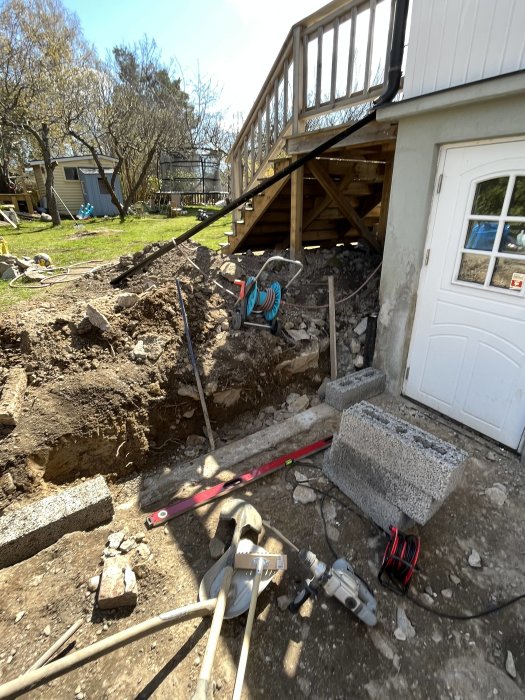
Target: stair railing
{"type": "Point", "coordinates": [331, 63]}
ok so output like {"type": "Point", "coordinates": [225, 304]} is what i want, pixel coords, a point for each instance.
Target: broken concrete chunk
{"type": "Point", "coordinates": [115, 539]}
{"type": "Point", "coordinates": [298, 335]}
{"type": "Point", "coordinates": [96, 318]}
{"type": "Point", "coordinates": [231, 271]}
{"type": "Point", "coordinates": [404, 624]}
{"type": "Point", "coordinates": [118, 585]}
{"type": "Point", "coordinates": [299, 404]}
{"type": "Point", "coordinates": [361, 326]}
{"type": "Point", "coordinates": [127, 545]}
{"type": "Point", "coordinates": [474, 560]}
{"type": "Point", "coordinates": [510, 666]}
{"type": "Point", "coordinates": [497, 494]}
{"type": "Point", "coordinates": [127, 299]}
{"type": "Point", "coordinates": [302, 494]}
{"type": "Point", "coordinates": [28, 530]}
{"type": "Point", "coordinates": [12, 396]}
{"type": "Point", "coordinates": [92, 584]}
{"type": "Point", "coordinates": [307, 359]}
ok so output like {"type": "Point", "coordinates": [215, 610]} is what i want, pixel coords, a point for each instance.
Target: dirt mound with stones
{"type": "Point", "coordinates": [110, 383]}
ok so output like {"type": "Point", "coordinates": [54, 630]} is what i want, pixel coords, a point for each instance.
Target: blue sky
{"type": "Point", "coordinates": [231, 42]}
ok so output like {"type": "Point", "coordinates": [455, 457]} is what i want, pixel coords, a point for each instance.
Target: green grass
{"type": "Point", "coordinates": [118, 239]}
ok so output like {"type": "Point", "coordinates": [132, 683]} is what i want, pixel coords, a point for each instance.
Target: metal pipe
{"type": "Point", "coordinates": [36, 678]}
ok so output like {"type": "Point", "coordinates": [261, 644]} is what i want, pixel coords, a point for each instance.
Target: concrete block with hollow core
{"type": "Point", "coordinates": [354, 387]}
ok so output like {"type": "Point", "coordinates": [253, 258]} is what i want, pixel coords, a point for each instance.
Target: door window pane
{"type": "Point", "coordinates": [473, 268]}
{"type": "Point", "coordinates": [517, 201]}
{"type": "Point", "coordinates": [503, 272]}
{"type": "Point", "coordinates": [481, 235]}
{"type": "Point", "coordinates": [489, 196]}
{"type": "Point", "coordinates": [513, 238]}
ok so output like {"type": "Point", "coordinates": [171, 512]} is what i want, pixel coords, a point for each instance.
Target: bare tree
{"type": "Point", "coordinates": [132, 109]}
{"type": "Point", "coordinates": [42, 54]}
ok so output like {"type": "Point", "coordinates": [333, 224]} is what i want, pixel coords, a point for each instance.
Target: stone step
{"type": "Point", "coordinates": [376, 438]}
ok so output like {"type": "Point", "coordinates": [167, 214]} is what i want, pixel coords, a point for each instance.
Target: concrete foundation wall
{"type": "Point", "coordinates": [467, 114]}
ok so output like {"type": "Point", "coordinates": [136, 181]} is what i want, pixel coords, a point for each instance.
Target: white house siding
{"type": "Point", "coordinates": [453, 42]}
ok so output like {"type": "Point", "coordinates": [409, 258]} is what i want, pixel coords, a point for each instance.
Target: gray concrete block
{"type": "Point", "coordinates": [410, 499]}
{"type": "Point", "coordinates": [354, 387]}
{"type": "Point", "coordinates": [28, 530]}
{"type": "Point", "coordinates": [377, 439]}
{"type": "Point", "coordinates": [367, 499]}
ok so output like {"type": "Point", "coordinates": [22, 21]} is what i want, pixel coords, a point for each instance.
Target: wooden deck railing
{"type": "Point", "coordinates": [331, 62]}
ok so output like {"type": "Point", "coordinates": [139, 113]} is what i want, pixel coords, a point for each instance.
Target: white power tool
{"type": "Point", "coordinates": [339, 581]}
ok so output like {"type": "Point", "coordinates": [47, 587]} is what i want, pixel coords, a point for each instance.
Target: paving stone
{"type": "Point", "coordinates": [375, 438]}
{"type": "Point", "coordinates": [354, 387]}
{"type": "Point", "coordinates": [28, 530]}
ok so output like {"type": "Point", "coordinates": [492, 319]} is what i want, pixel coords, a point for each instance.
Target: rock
{"type": "Point", "coordinates": [143, 550]}
{"type": "Point", "coordinates": [496, 494]}
{"type": "Point", "coordinates": [437, 637]}
{"type": "Point", "coordinates": [12, 396]}
{"type": "Point", "coordinates": [7, 484]}
{"type": "Point", "coordinates": [19, 616]}
{"type": "Point", "coordinates": [474, 560]}
{"type": "Point", "coordinates": [115, 539]}
{"type": "Point", "coordinates": [380, 643]}
{"type": "Point", "coordinates": [231, 271]}
{"type": "Point", "coordinates": [283, 601]}
{"type": "Point", "coordinates": [139, 353]}
{"type": "Point", "coordinates": [127, 299]}
{"type": "Point", "coordinates": [188, 414]}
{"type": "Point", "coordinates": [299, 404]}
{"type": "Point", "coordinates": [84, 326]}
{"type": "Point", "coordinates": [510, 666]}
{"type": "Point", "coordinates": [45, 217]}
{"type": "Point", "coordinates": [141, 570]}
{"type": "Point", "coordinates": [455, 579]}
{"type": "Point", "coordinates": [118, 585]}
{"type": "Point", "coordinates": [47, 630]}
{"type": "Point", "coordinates": [307, 359]}
{"type": "Point", "coordinates": [404, 624]}
{"type": "Point", "coordinates": [359, 362]}
{"type": "Point", "coordinates": [97, 319]}
{"type": "Point", "coordinates": [127, 545]}
{"type": "Point", "coordinates": [195, 441]}
{"type": "Point", "coordinates": [361, 326]}
{"type": "Point", "coordinates": [227, 398]}
{"type": "Point", "coordinates": [447, 593]}
{"type": "Point", "coordinates": [355, 347]}
{"type": "Point", "coordinates": [300, 477]}
{"type": "Point", "coordinates": [150, 346]}
{"type": "Point", "coordinates": [303, 495]}
{"type": "Point", "coordinates": [216, 547]}
{"type": "Point", "coordinates": [427, 599]}
{"type": "Point", "coordinates": [298, 335]}
{"type": "Point", "coordinates": [92, 584]}
{"type": "Point", "coordinates": [492, 456]}
{"type": "Point", "coordinates": [188, 390]}
{"type": "Point", "coordinates": [400, 635]}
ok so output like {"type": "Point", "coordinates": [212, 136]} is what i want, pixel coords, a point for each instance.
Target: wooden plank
{"type": "Point", "coordinates": [374, 134]}
{"type": "Point", "coordinates": [285, 91]}
{"type": "Point", "coordinates": [296, 215]}
{"type": "Point", "coordinates": [276, 111]}
{"type": "Point", "coordinates": [331, 323]}
{"type": "Point", "coordinates": [369, 46]}
{"type": "Point", "coordinates": [298, 76]}
{"type": "Point", "coordinates": [325, 203]}
{"type": "Point", "coordinates": [335, 47]}
{"type": "Point", "coordinates": [351, 53]}
{"type": "Point", "coordinates": [349, 212]}
{"type": "Point", "coordinates": [319, 66]}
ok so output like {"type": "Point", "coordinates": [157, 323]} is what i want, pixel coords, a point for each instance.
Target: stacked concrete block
{"type": "Point", "coordinates": [354, 387]}
{"type": "Point", "coordinates": [377, 458]}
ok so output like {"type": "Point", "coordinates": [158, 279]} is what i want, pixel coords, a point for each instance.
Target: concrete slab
{"type": "Point", "coordinates": [367, 499]}
{"type": "Point", "coordinates": [410, 499]}
{"type": "Point", "coordinates": [28, 530]}
{"type": "Point", "coordinates": [12, 396]}
{"type": "Point", "coordinates": [354, 387]}
{"type": "Point", "coordinates": [375, 437]}
{"type": "Point", "coordinates": [160, 488]}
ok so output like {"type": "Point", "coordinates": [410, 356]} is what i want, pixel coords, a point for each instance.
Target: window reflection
{"type": "Point", "coordinates": [513, 239]}
{"type": "Point", "coordinates": [481, 235]}
{"type": "Point", "coordinates": [517, 202]}
{"type": "Point", "coordinates": [489, 196]}
{"type": "Point", "coordinates": [504, 270]}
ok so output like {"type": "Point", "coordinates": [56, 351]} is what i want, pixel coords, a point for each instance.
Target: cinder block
{"type": "Point", "coordinates": [354, 387]}
{"type": "Point", "coordinates": [410, 499]}
{"type": "Point", "coordinates": [378, 508]}
{"type": "Point", "coordinates": [26, 531]}
{"type": "Point", "coordinates": [376, 439]}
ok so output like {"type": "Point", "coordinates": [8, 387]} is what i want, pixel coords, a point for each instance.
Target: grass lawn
{"type": "Point", "coordinates": [116, 239]}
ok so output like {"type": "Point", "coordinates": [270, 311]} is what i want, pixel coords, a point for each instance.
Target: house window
{"type": "Point", "coordinates": [71, 173]}
{"type": "Point", "coordinates": [493, 252]}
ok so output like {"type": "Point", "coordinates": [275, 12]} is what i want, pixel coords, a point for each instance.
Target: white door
{"type": "Point", "coordinates": [467, 351]}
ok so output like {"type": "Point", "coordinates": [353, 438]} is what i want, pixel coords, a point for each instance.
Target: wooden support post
{"type": "Point", "coordinates": [296, 215]}
{"type": "Point", "coordinates": [331, 323]}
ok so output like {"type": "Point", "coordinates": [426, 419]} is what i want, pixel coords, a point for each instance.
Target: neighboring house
{"type": "Point", "coordinates": [451, 225]}
{"type": "Point", "coordinates": [77, 181]}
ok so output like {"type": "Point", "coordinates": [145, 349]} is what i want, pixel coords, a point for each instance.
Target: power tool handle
{"type": "Point", "coordinates": [299, 599]}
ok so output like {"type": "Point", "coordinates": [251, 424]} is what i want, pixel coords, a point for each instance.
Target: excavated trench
{"type": "Point", "coordinates": [123, 398]}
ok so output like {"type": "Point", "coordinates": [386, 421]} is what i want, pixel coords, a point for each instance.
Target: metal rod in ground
{"type": "Point", "coordinates": [331, 320]}
{"type": "Point", "coordinates": [195, 368]}
{"type": "Point", "coordinates": [34, 679]}
{"type": "Point", "coordinates": [243, 659]}
{"type": "Point", "coordinates": [56, 646]}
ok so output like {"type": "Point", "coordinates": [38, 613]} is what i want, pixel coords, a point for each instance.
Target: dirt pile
{"type": "Point", "coordinates": [110, 383]}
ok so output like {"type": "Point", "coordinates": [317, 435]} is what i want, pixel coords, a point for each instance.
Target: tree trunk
{"type": "Point", "coordinates": [49, 165]}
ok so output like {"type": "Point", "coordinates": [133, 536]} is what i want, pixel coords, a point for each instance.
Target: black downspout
{"type": "Point", "coordinates": [394, 80]}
